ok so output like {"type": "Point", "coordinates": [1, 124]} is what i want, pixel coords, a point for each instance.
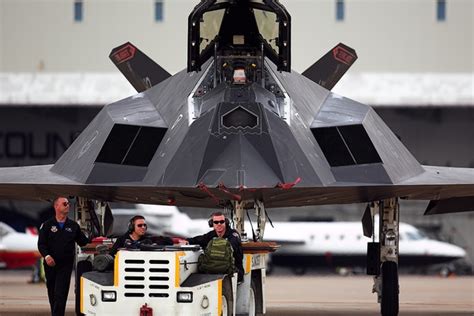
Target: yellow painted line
{"type": "Point", "coordinates": [248, 263]}
{"type": "Point", "coordinates": [176, 268]}
{"type": "Point", "coordinates": [219, 297]}
{"type": "Point", "coordinates": [116, 269]}
{"type": "Point", "coordinates": [81, 306]}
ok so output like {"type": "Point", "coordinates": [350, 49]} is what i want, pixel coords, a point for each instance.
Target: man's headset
{"type": "Point", "coordinates": [210, 221]}
{"type": "Point", "coordinates": [131, 223]}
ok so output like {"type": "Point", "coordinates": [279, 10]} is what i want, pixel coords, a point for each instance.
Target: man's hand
{"type": "Point", "coordinates": [183, 242]}
{"type": "Point", "coordinates": [50, 261]}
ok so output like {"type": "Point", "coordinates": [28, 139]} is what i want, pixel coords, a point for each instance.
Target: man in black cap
{"type": "Point", "coordinates": [56, 243]}
{"type": "Point", "coordinates": [136, 234]}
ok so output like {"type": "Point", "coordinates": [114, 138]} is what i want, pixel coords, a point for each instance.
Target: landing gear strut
{"type": "Point", "coordinates": [383, 255]}
{"type": "Point", "coordinates": [239, 218]}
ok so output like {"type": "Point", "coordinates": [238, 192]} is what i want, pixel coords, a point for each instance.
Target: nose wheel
{"type": "Point", "coordinates": [383, 254]}
{"type": "Point", "coordinates": [390, 289]}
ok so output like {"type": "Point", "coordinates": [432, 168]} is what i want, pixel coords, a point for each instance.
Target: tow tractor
{"type": "Point", "coordinates": [164, 280]}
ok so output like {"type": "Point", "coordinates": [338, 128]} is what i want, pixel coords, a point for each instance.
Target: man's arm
{"type": "Point", "coordinates": [201, 240]}
{"type": "Point", "coordinates": [81, 238]}
{"type": "Point", "coordinates": [43, 241]}
{"type": "Point", "coordinates": [43, 245]}
{"type": "Point", "coordinates": [238, 253]}
{"type": "Point", "coordinates": [119, 243]}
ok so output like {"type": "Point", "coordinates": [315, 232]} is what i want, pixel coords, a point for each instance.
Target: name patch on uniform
{"type": "Point", "coordinates": [54, 229]}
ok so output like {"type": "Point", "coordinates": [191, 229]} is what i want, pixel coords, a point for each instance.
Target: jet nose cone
{"type": "Point", "coordinates": [450, 250]}
{"type": "Point", "coordinates": [458, 252]}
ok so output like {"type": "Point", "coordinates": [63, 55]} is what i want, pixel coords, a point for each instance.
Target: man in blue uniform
{"type": "Point", "coordinates": [221, 228]}
{"type": "Point", "coordinates": [136, 234]}
{"type": "Point", "coordinates": [56, 243]}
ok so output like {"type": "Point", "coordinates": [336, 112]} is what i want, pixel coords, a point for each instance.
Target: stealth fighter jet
{"type": "Point", "coordinates": [239, 129]}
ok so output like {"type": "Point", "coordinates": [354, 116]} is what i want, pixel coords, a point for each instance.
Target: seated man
{"type": "Point", "coordinates": [222, 229]}
{"type": "Point", "coordinates": [137, 234]}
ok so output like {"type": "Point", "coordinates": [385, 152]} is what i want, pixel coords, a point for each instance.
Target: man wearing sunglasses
{"type": "Point", "coordinates": [136, 234]}
{"type": "Point", "coordinates": [56, 243]}
{"type": "Point", "coordinates": [221, 228]}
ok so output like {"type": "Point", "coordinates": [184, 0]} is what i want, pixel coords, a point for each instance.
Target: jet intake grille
{"type": "Point", "coordinates": [346, 145]}
{"type": "Point", "coordinates": [131, 145]}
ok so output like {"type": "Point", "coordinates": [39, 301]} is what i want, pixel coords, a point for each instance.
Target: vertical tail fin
{"type": "Point", "coordinates": [141, 71]}
{"type": "Point", "coordinates": [330, 68]}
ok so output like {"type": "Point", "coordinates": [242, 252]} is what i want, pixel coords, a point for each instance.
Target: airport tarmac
{"type": "Point", "coordinates": [291, 295]}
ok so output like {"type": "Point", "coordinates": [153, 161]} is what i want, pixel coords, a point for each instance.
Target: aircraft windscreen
{"type": "Point", "coordinates": [415, 235]}
{"type": "Point", "coordinates": [267, 26]}
{"type": "Point", "coordinates": [210, 26]}
{"type": "Point", "coordinates": [5, 230]}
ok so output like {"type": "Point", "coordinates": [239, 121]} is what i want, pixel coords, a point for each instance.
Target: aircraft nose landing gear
{"type": "Point", "coordinates": [382, 256]}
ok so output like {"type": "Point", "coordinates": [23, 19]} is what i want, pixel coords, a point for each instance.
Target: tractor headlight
{"type": "Point", "coordinates": [184, 297]}
{"type": "Point", "coordinates": [205, 302]}
{"type": "Point", "coordinates": [93, 299]}
{"type": "Point", "coordinates": [109, 296]}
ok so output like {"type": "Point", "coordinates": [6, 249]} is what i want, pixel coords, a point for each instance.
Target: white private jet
{"type": "Point", "coordinates": [17, 250]}
{"type": "Point", "coordinates": [305, 244]}
{"type": "Point", "coordinates": [342, 244]}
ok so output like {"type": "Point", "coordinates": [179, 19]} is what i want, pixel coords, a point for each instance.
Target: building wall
{"type": "Point", "coordinates": [389, 35]}
{"type": "Point", "coordinates": [42, 35]}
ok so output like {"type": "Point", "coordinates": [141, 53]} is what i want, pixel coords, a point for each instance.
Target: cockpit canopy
{"type": "Point", "coordinates": [239, 27]}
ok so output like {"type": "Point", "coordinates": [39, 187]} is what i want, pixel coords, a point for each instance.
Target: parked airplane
{"type": "Point", "coordinates": [304, 244]}
{"type": "Point", "coordinates": [343, 244]}
{"type": "Point", "coordinates": [17, 250]}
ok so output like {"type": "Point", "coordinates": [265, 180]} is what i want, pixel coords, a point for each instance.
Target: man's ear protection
{"type": "Point", "coordinates": [131, 223]}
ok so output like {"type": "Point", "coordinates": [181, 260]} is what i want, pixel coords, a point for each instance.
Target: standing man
{"type": "Point", "coordinates": [56, 243]}
{"type": "Point", "coordinates": [221, 228]}
{"type": "Point", "coordinates": [137, 233]}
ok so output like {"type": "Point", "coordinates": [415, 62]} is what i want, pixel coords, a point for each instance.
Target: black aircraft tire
{"type": "Point", "coordinates": [390, 289]}
{"type": "Point", "coordinates": [227, 297]}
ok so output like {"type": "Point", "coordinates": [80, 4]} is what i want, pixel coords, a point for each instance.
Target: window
{"type": "Point", "coordinates": [441, 10]}
{"type": "Point", "coordinates": [415, 235]}
{"type": "Point", "coordinates": [340, 10]}
{"type": "Point", "coordinates": [5, 230]}
{"type": "Point", "coordinates": [210, 25]}
{"type": "Point", "coordinates": [159, 10]}
{"type": "Point", "coordinates": [268, 25]}
{"type": "Point", "coordinates": [78, 10]}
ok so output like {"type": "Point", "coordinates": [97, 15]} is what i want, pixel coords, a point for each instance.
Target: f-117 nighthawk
{"type": "Point", "coordinates": [239, 129]}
